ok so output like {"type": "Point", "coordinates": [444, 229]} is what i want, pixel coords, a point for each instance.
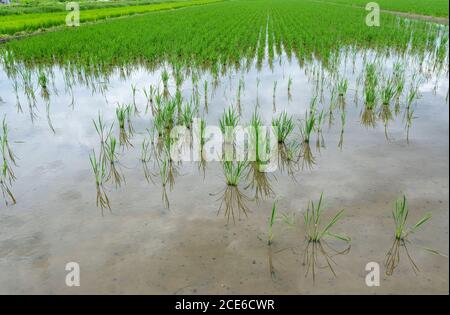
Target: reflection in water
{"type": "Point", "coordinates": [392, 259]}
{"type": "Point", "coordinates": [7, 176]}
{"type": "Point", "coordinates": [99, 169]}
{"type": "Point", "coordinates": [289, 158]}
{"type": "Point", "coordinates": [260, 181]}
{"type": "Point", "coordinates": [318, 255]}
{"type": "Point", "coordinates": [233, 201]}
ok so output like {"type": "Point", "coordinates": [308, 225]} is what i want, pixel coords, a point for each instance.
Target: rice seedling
{"type": "Point", "coordinates": [234, 171]}
{"type": "Point", "coordinates": [150, 99]}
{"type": "Point", "coordinates": [165, 81]}
{"type": "Point", "coordinates": [306, 128]}
{"type": "Point", "coordinates": [409, 116]}
{"type": "Point", "coordinates": [402, 231]}
{"type": "Point", "coordinates": [229, 120]}
{"type": "Point", "coordinates": [315, 239]}
{"type": "Point", "coordinates": [100, 174]}
{"type": "Point", "coordinates": [272, 219]}
{"type": "Point", "coordinates": [320, 142]}
{"type": "Point", "coordinates": [259, 181]}
{"type": "Point", "coordinates": [42, 81]}
{"type": "Point", "coordinates": [164, 174]}
{"type": "Point", "coordinates": [288, 158]}
{"type": "Point", "coordinates": [284, 126]}
{"type": "Point", "coordinates": [111, 155]}
{"type": "Point", "coordinates": [133, 92]}
{"type": "Point", "coordinates": [145, 159]}
{"type": "Point", "coordinates": [7, 175]}
{"type": "Point", "coordinates": [123, 114]}
{"type": "Point", "coordinates": [342, 87]}
{"type": "Point", "coordinates": [233, 200]}
{"type": "Point", "coordinates": [188, 115]}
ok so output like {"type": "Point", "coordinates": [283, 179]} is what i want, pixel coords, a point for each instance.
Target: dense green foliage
{"type": "Point", "coordinates": [423, 7]}
{"type": "Point", "coordinates": [14, 23]}
{"type": "Point", "coordinates": [224, 34]}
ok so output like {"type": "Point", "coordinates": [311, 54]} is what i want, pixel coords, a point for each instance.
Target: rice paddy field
{"type": "Point", "coordinates": [345, 127]}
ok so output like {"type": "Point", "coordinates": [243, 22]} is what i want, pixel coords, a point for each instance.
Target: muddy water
{"type": "Point", "coordinates": [143, 247]}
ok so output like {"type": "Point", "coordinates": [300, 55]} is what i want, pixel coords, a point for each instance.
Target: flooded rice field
{"type": "Point", "coordinates": [150, 225]}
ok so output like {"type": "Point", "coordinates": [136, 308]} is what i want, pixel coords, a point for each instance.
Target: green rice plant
{"type": "Point", "coordinates": [306, 128]}
{"type": "Point", "coordinates": [400, 215]}
{"type": "Point", "coordinates": [123, 113]}
{"type": "Point", "coordinates": [164, 174]}
{"type": "Point", "coordinates": [409, 116]}
{"type": "Point", "coordinates": [272, 222]}
{"type": "Point", "coordinates": [100, 174]}
{"type": "Point", "coordinates": [256, 124]}
{"type": "Point", "coordinates": [313, 218]}
{"type": "Point", "coordinates": [150, 99]}
{"type": "Point", "coordinates": [229, 119]}
{"type": "Point", "coordinates": [112, 157]}
{"type": "Point", "coordinates": [145, 159]}
{"type": "Point", "coordinates": [288, 157]}
{"type": "Point", "coordinates": [133, 92]}
{"type": "Point", "coordinates": [388, 91]}
{"type": "Point", "coordinates": [188, 115]}
{"type": "Point", "coordinates": [43, 83]}
{"type": "Point", "coordinates": [284, 126]}
{"type": "Point", "coordinates": [165, 81]}
{"type": "Point", "coordinates": [317, 247]}
{"type": "Point", "coordinates": [234, 171]}
{"type": "Point", "coordinates": [233, 200]}
{"type": "Point", "coordinates": [402, 231]}
{"type": "Point", "coordinates": [320, 142]}
{"type": "Point", "coordinates": [342, 87]}
{"type": "Point", "coordinates": [7, 175]}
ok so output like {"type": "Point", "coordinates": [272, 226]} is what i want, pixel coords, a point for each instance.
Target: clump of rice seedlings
{"type": "Point", "coordinates": [164, 174]}
{"type": "Point", "coordinates": [43, 83]}
{"type": "Point", "coordinates": [164, 119]}
{"type": "Point", "coordinates": [288, 157]}
{"type": "Point", "coordinates": [234, 171]}
{"type": "Point", "coordinates": [402, 231]}
{"type": "Point", "coordinates": [229, 119]}
{"type": "Point", "coordinates": [7, 176]}
{"type": "Point", "coordinates": [145, 158]}
{"type": "Point", "coordinates": [178, 78]}
{"type": "Point", "coordinates": [284, 126]}
{"type": "Point", "coordinates": [368, 116]}
{"type": "Point", "coordinates": [306, 128]}
{"type": "Point", "coordinates": [100, 174]}
{"type": "Point", "coordinates": [133, 92]}
{"type": "Point", "coordinates": [188, 115]}
{"type": "Point", "coordinates": [320, 142]}
{"type": "Point", "coordinates": [315, 238]}
{"type": "Point", "coordinates": [123, 114]}
{"type": "Point", "coordinates": [233, 199]}
{"type": "Point", "coordinates": [203, 140]}
{"type": "Point", "coordinates": [342, 87]}
{"type": "Point", "coordinates": [150, 99]}
{"type": "Point", "coordinates": [259, 180]}
{"type": "Point", "coordinates": [112, 157]}
{"type": "Point", "coordinates": [388, 92]}
{"type": "Point", "coordinates": [165, 81]}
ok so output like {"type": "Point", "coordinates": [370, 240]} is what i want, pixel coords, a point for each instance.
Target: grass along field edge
{"type": "Point", "coordinates": [13, 25]}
